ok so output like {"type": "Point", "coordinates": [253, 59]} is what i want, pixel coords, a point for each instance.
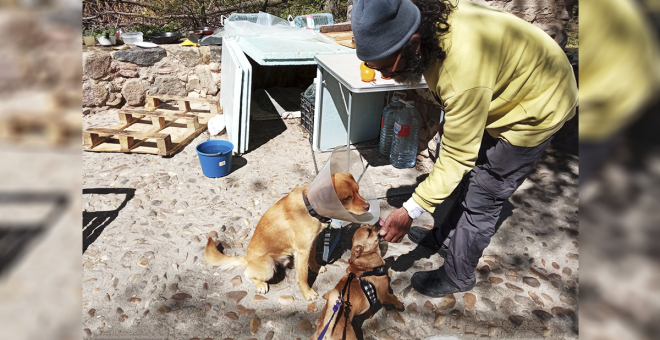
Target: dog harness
{"type": "Point", "coordinates": [368, 288]}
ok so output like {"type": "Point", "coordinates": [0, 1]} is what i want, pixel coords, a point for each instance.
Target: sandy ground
{"type": "Point", "coordinates": [145, 273]}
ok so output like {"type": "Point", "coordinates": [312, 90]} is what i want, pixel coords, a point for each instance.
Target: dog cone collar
{"type": "Point", "coordinates": [323, 197]}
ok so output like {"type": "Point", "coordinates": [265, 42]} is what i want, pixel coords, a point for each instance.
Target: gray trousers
{"type": "Point", "coordinates": [500, 169]}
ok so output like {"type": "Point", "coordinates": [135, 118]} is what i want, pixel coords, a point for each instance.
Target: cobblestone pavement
{"type": "Point", "coordinates": [146, 274]}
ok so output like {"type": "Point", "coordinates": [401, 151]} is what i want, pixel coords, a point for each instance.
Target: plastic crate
{"type": "Point", "coordinates": [307, 116]}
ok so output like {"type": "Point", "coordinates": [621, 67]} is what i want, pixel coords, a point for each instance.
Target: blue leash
{"type": "Point", "coordinates": [327, 248]}
{"type": "Point", "coordinates": [335, 308]}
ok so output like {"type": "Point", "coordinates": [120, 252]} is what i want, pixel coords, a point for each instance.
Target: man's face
{"type": "Point", "coordinates": [405, 66]}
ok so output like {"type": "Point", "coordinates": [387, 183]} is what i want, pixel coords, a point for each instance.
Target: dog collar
{"type": "Point", "coordinates": [313, 212]}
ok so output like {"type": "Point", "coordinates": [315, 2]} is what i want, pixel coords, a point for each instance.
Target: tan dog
{"type": "Point", "coordinates": [287, 228]}
{"type": "Point", "coordinates": [365, 256]}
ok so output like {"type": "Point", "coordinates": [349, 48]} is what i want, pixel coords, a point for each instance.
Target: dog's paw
{"type": "Point", "coordinates": [322, 269]}
{"type": "Point", "coordinates": [310, 295]}
{"type": "Point", "coordinates": [262, 287]}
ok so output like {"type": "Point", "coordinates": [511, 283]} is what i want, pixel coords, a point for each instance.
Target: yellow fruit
{"type": "Point", "coordinates": [368, 74]}
{"type": "Point", "coordinates": [363, 66]}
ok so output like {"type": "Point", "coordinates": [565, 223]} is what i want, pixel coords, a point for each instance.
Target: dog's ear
{"type": "Point", "coordinates": [355, 253]}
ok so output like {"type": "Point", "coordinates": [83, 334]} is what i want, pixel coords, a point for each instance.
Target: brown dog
{"type": "Point", "coordinates": [287, 228]}
{"type": "Point", "coordinates": [365, 257]}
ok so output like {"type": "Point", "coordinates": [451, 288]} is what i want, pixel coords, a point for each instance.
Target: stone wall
{"type": "Point", "coordinates": [116, 79]}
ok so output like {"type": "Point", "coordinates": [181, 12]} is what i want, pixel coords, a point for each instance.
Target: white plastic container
{"type": "Point", "coordinates": [130, 38]}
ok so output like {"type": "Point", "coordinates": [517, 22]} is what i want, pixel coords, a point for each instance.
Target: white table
{"type": "Point", "coordinates": [333, 121]}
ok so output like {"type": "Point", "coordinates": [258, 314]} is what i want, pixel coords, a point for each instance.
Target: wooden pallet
{"type": "Point", "coordinates": [153, 129]}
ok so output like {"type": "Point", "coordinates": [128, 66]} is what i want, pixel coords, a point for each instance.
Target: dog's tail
{"type": "Point", "coordinates": [215, 258]}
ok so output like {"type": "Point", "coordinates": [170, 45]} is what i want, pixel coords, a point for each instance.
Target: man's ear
{"type": "Point", "coordinates": [355, 253]}
{"type": "Point", "coordinates": [417, 41]}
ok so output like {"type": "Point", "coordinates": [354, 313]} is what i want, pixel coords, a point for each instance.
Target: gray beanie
{"type": "Point", "coordinates": [382, 27]}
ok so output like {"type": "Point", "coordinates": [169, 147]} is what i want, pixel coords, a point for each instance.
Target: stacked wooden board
{"type": "Point", "coordinates": [154, 129]}
{"type": "Point", "coordinates": [341, 33]}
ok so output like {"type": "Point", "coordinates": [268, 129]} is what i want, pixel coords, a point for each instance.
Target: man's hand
{"type": "Point", "coordinates": [397, 225]}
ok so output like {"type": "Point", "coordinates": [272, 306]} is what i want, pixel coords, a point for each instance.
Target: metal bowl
{"type": "Point", "coordinates": [164, 38]}
{"type": "Point", "coordinates": [204, 30]}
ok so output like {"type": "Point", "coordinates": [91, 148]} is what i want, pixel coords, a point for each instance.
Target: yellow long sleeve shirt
{"type": "Point", "coordinates": [501, 74]}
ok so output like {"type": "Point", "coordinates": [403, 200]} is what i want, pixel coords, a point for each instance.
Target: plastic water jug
{"type": "Point", "coordinates": [407, 123]}
{"type": "Point", "coordinates": [387, 124]}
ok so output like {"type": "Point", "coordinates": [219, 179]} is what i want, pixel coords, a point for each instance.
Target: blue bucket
{"type": "Point", "coordinates": [215, 157]}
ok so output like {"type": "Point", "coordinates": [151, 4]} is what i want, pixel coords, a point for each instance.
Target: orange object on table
{"type": "Point", "coordinates": [367, 74]}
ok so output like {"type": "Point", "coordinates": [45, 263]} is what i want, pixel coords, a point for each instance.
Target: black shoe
{"type": "Point", "coordinates": [435, 283]}
{"type": "Point", "coordinates": [426, 238]}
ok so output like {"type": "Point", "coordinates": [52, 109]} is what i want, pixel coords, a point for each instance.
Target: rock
{"type": "Point", "coordinates": [259, 298]}
{"type": "Point", "coordinates": [438, 320]}
{"type": "Point", "coordinates": [516, 320]}
{"type": "Point", "coordinates": [135, 92]}
{"type": "Point", "coordinates": [543, 262]}
{"type": "Point", "coordinates": [181, 296]}
{"type": "Point", "coordinates": [412, 308]}
{"type": "Point", "coordinates": [120, 311]}
{"type": "Point", "coordinates": [206, 79]}
{"type": "Point", "coordinates": [576, 244]}
{"type": "Point", "coordinates": [236, 281]}
{"type": "Point", "coordinates": [396, 282]}
{"type": "Point", "coordinates": [285, 299]}
{"type": "Point", "coordinates": [123, 318]}
{"type": "Point", "coordinates": [269, 335]}
{"type": "Point", "coordinates": [428, 305]}
{"type": "Point", "coordinates": [126, 73]}
{"type": "Point", "coordinates": [174, 287]}
{"type": "Point", "coordinates": [87, 331]}
{"type": "Point", "coordinates": [216, 53]}
{"type": "Point", "coordinates": [91, 312]}
{"type": "Point", "coordinates": [555, 265]}
{"type": "Point", "coordinates": [169, 86]}
{"type": "Point", "coordinates": [530, 281]}
{"type": "Point", "coordinates": [511, 275]}
{"type": "Point", "coordinates": [193, 84]}
{"type": "Point", "coordinates": [189, 57]}
{"type": "Point", "coordinates": [537, 300]}
{"type": "Point", "coordinates": [94, 94]}
{"type": "Point", "coordinates": [542, 315]}
{"type": "Point", "coordinates": [231, 316]}
{"type": "Point", "coordinates": [529, 239]}
{"type": "Point", "coordinates": [255, 323]}
{"type": "Point", "coordinates": [164, 309]}
{"type": "Point", "coordinates": [547, 297]}
{"type": "Point", "coordinates": [140, 56]}
{"type": "Point", "coordinates": [561, 310]}
{"type": "Point", "coordinates": [134, 300]}
{"type": "Point", "coordinates": [214, 67]}
{"type": "Point", "coordinates": [311, 307]}
{"type": "Point", "coordinates": [524, 301]}
{"type": "Point", "coordinates": [567, 271]}
{"type": "Point", "coordinates": [507, 305]}
{"type": "Point", "coordinates": [205, 53]}
{"type": "Point", "coordinates": [245, 311]}
{"type": "Point", "coordinates": [489, 303]}
{"type": "Point", "coordinates": [514, 288]}
{"type": "Point", "coordinates": [205, 286]}
{"type": "Point", "coordinates": [494, 279]}
{"type": "Point", "coordinates": [304, 326]}
{"type": "Point", "coordinates": [539, 274]}
{"type": "Point", "coordinates": [146, 312]}
{"type": "Point", "coordinates": [573, 256]}
{"type": "Point", "coordinates": [470, 300]}
{"type": "Point", "coordinates": [97, 65]}
{"type": "Point", "coordinates": [397, 317]}
{"type": "Point", "coordinates": [567, 299]}
{"type": "Point", "coordinates": [447, 302]}
{"type": "Point", "coordinates": [165, 69]}
{"type": "Point", "coordinates": [382, 335]}
{"type": "Point", "coordinates": [207, 306]}
{"type": "Point", "coordinates": [237, 296]}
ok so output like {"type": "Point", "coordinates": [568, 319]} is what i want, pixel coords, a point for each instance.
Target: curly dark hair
{"type": "Point", "coordinates": [434, 15]}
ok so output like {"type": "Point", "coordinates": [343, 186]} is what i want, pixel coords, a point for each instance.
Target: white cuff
{"type": "Point", "coordinates": [414, 209]}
